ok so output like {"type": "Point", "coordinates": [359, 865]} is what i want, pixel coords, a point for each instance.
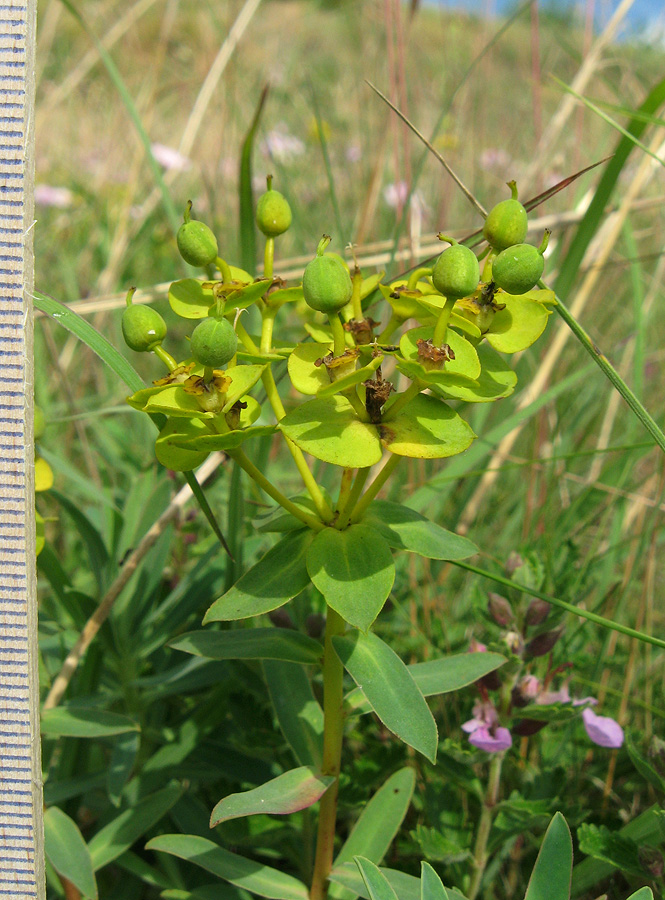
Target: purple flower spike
{"type": "Point", "coordinates": [602, 730]}
{"type": "Point", "coordinates": [491, 743]}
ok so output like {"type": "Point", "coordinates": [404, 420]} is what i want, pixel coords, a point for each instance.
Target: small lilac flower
{"type": "Point", "coordinates": [546, 698]}
{"type": "Point", "coordinates": [484, 731]}
{"type": "Point", "coordinates": [602, 730]}
{"type": "Point", "coordinates": [58, 197]}
{"type": "Point", "coordinates": [170, 158]}
{"type": "Point", "coordinates": [353, 153]}
{"type": "Point", "coordinates": [529, 687]}
{"type": "Point", "coordinates": [476, 646]}
{"type": "Point", "coordinates": [484, 739]}
{"type": "Point", "coordinates": [395, 194]}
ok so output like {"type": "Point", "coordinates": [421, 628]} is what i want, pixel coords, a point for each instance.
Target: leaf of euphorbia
{"type": "Point", "coordinates": [286, 295]}
{"type": "Point", "coordinates": [352, 379]}
{"type": "Point", "coordinates": [298, 711]}
{"type": "Point", "coordinates": [128, 826]}
{"type": "Point", "coordinates": [251, 643]}
{"type": "Point", "coordinates": [84, 722]}
{"type": "Point", "coordinates": [354, 570]}
{"type": "Point", "coordinates": [431, 886]}
{"type": "Point", "coordinates": [277, 577]}
{"type": "Point", "coordinates": [465, 363]}
{"type": "Point", "coordinates": [518, 325]}
{"type": "Point", "coordinates": [172, 400]}
{"type": "Point", "coordinates": [407, 887]}
{"type": "Point", "coordinates": [496, 380]}
{"type": "Point", "coordinates": [406, 529]}
{"type": "Point", "coordinates": [244, 873]}
{"type": "Point", "coordinates": [227, 441]}
{"type": "Point", "coordinates": [305, 376]}
{"type": "Point", "coordinates": [552, 872]}
{"type": "Point", "coordinates": [189, 299]}
{"type": "Point", "coordinates": [67, 852]}
{"type": "Point", "coordinates": [246, 295]}
{"type": "Point", "coordinates": [438, 676]}
{"type": "Point", "coordinates": [243, 379]}
{"type": "Point", "coordinates": [406, 304]}
{"type": "Point", "coordinates": [330, 430]}
{"type": "Point", "coordinates": [378, 823]}
{"type": "Point", "coordinates": [288, 793]}
{"type": "Point", "coordinates": [433, 377]}
{"type": "Point", "coordinates": [378, 886]}
{"type": "Point", "coordinates": [426, 428]}
{"type": "Point", "coordinates": [175, 457]}
{"type": "Point", "coordinates": [390, 690]}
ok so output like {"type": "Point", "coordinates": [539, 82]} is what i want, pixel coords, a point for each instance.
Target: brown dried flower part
{"type": "Point", "coordinates": [233, 415]}
{"type": "Point", "coordinates": [376, 394]}
{"type": "Point", "coordinates": [483, 308]}
{"type": "Point", "coordinates": [339, 366]}
{"type": "Point", "coordinates": [178, 376]}
{"type": "Point", "coordinates": [434, 357]}
{"type": "Point", "coordinates": [209, 395]}
{"type": "Point", "coordinates": [361, 329]}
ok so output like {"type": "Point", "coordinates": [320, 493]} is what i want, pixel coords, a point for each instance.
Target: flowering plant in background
{"type": "Point", "coordinates": [526, 701]}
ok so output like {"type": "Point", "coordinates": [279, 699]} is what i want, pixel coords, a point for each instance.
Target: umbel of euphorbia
{"type": "Point", "coordinates": [273, 213]}
{"type": "Point", "coordinates": [196, 242]}
{"type": "Point", "coordinates": [214, 342]}
{"type": "Point", "coordinates": [506, 224]}
{"type": "Point", "coordinates": [326, 281]}
{"type": "Point", "coordinates": [456, 272]}
{"type": "Point", "coordinates": [518, 269]}
{"type": "Point", "coordinates": [143, 328]}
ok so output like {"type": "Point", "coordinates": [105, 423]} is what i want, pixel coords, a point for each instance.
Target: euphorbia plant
{"type": "Point", "coordinates": [371, 391]}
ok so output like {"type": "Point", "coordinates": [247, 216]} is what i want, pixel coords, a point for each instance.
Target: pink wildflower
{"type": "Point", "coordinates": [484, 731]}
{"type": "Point", "coordinates": [602, 730]}
{"type": "Point", "coordinates": [48, 195]}
{"type": "Point", "coordinates": [170, 158]}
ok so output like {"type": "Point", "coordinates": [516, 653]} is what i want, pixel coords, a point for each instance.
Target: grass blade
{"type": "Point", "coordinates": [247, 234]}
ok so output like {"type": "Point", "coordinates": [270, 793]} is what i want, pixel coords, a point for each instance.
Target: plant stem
{"type": "Point", "coordinates": [339, 337]}
{"type": "Point", "coordinates": [480, 855]}
{"type": "Point", "coordinates": [165, 357]}
{"type": "Point", "coordinates": [442, 323]}
{"type": "Point", "coordinates": [333, 726]}
{"type": "Point", "coordinates": [394, 323]}
{"type": "Point", "coordinates": [267, 328]}
{"type": "Point", "coordinates": [269, 257]}
{"type": "Point", "coordinates": [414, 277]}
{"type": "Point", "coordinates": [346, 511]}
{"type": "Point", "coordinates": [357, 280]}
{"type": "Point", "coordinates": [375, 486]}
{"type": "Point", "coordinates": [245, 463]}
{"type": "Point", "coordinates": [224, 270]}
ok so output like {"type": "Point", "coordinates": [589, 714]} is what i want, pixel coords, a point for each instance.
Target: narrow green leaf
{"type": "Point", "coordinates": [431, 886]}
{"type": "Point", "coordinates": [83, 722]}
{"type": "Point", "coordinates": [378, 824]}
{"type": "Point", "coordinates": [247, 233]}
{"type": "Point", "coordinates": [438, 676]}
{"type": "Point", "coordinates": [407, 887]}
{"type": "Point", "coordinates": [91, 338]}
{"type": "Point", "coordinates": [552, 872]}
{"type": "Point", "coordinates": [621, 852]}
{"type": "Point", "coordinates": [123, 757]}
{"type": "Point", "coordinates": [298, 712]}
{"type": "Point", "coordinates": [288, 793]}
{"type": "Point", "coordinates": [131, 824]}
{"type": "Point", "coordinates": [378, 886]}
{"type": "Point", "coordinates": [244, 873]}
{"type": "Point", "coordinates": [94, 544]}
{"type": "Point", "coordinates": [277, 577]}
{"type": "Point", "coordinates": [390, 690]}
{"type": "Point", "coordinates": [406, 529]}
{"type": "Point", "coordinates": [354, 570]}
{"type": "Point", "coordinates": [644, 767]}
{"type": "Point", "coordinates": [251, 643]}
{"type": "Point", "coordinates": [644, 893]}
{"type": "Point", "coordinates": [67, 851]}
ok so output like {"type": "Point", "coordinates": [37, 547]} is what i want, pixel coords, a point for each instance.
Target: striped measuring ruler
{"type": "Point", "coordinates": [21, 841]}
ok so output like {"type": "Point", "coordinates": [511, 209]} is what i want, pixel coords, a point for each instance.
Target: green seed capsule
{"type": "Point", "coordinates": [214, 342]}
{"type": "Point", "coordinates": [273, 213]}
{"type": "Point", "coordinates": [506, 224]}
{"type": "Point", "coordinates": [326, 281]}
{"type": "Point", "coordinates": [142, 328]}
{"type": "Point", "coordinates": [456, 272]}
{"type": "Point", "coordinates": [517, 269]}
{"type": "Point", "coordinates": [196, 242]}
